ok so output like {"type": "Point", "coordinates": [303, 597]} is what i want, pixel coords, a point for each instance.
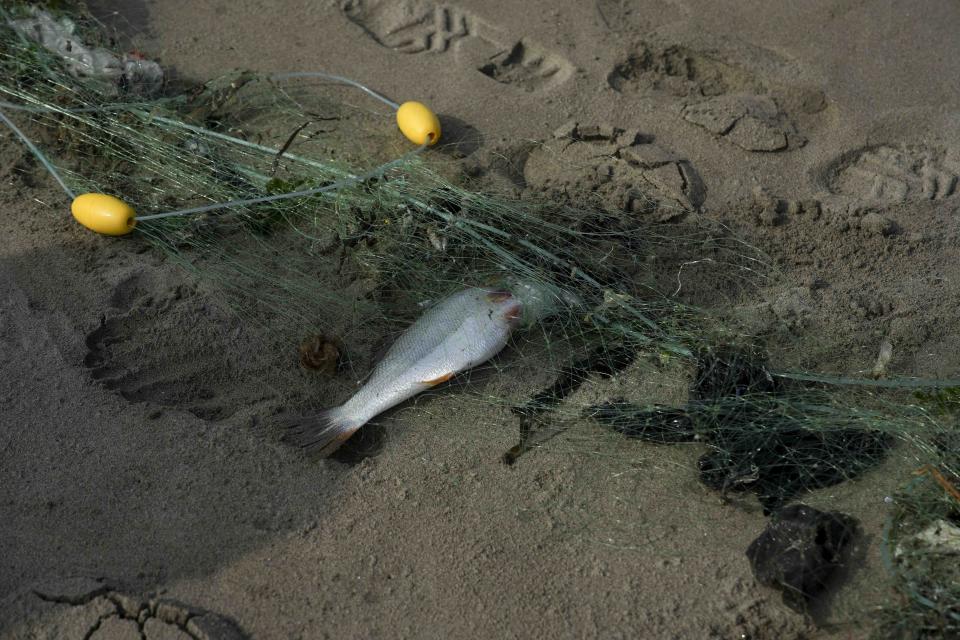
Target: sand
{"type": "Point", "coordinates": [827, 133]}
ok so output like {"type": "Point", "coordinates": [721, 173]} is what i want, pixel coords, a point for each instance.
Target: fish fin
{"type": "Point", "coordinates": [438, 380]}
{"type": "Point", "coordinates": [319, 434]}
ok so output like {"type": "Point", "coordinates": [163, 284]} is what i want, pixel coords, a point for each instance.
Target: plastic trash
{"type": "Point", "coordinates": [130, 74]}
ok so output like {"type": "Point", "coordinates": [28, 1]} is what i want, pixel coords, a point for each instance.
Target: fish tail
{"type": "Point", "coordinates": [321, 433]}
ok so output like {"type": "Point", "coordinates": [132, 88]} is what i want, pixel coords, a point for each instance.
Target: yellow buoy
{"type": "Point", "coordinates": [104, 214]}
{"type": "Point", "coordinates": [418, 123]}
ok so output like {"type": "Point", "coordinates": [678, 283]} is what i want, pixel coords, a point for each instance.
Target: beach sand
{"type": "Point", "coordinates": [827, 133]}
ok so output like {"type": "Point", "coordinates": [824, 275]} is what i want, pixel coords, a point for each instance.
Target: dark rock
{"type": "Point", "coordinates": [799, 551]}
{"type": "Point", "coordinates": [878, 224]}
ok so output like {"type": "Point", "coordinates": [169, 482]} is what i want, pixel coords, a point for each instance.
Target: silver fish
{"type": "Point", "coordinates": [460, 332]}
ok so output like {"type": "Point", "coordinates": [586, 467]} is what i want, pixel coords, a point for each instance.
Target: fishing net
{"type": "Point", "coordinates": [633, 340]}
{"type": "Point", "coordinates": [366, 258]}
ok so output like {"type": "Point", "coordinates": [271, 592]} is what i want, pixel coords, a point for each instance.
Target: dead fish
{"type": "Point", "coordinates": [460, 332]}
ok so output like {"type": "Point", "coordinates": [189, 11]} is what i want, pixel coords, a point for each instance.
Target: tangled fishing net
{"type": "Point", "coordinates": [350, 267]}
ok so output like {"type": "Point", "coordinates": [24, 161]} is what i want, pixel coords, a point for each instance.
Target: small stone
{"type": "Point", "coordinates": [813, 101]}
{"type": "Point", "coordinates": [669, 181]}
{"type": "Point", "coordinates": [875, 223]}
{"type": "Point", "coordinates": [647, 156]}
{"type": "Point", "coordinates": [799, 550]}
{"type": "Point", "coordinates": [174, 611]}
{"type": "Point", "coordinates": [753, 134]}
{"type": "Point", "coordinates": [716, 116]}
{"type": "Point", "coordinates": [597, 132]}
{"type": "Point", "coordinates": [694, 188]}
{"type": "Point", "coordinates": [210, 626]}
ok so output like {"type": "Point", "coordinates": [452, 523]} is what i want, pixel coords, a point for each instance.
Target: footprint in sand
{"type": "Point", "coordinates": [420, 26]}
{"type": "Point", "coordinates": [726, 98]}
{"type": "Point", "coordinates": [890, 173]}
{"type": "Point", "coordinates": [148, 350]}
{"type": "Point", "coordinates": [625, 169]}
{"type": "Point", "coordinates": [91, 608]}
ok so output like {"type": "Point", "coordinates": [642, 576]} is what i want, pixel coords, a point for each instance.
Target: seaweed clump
{"type": "Point", "coordinates": [765, 436]}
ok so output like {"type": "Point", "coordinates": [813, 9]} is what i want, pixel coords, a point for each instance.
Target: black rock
{"type": "Point", "coordinates": [799, 551]}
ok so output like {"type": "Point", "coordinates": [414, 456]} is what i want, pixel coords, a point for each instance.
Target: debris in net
{"type": "Point", "coordinates": [883, 359]}
{"type": "Point", "coordinates": [799, 551]}
{"type": "Point", "coordinates": [940, 479]}
{"type": "Point", "coordinates": [761, 438]}
{"type": "Point", "coordinates": [731, 371]}
{"type": "Point", "coordinates": [940, 537]}
{"type": "Point", "coordinates": [131, 72]}
{"type": "Point", "coordinates": [320, 353]}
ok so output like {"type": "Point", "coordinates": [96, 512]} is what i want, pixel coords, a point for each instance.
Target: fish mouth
{"type": "Point", "coordinates": [499, 295]}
